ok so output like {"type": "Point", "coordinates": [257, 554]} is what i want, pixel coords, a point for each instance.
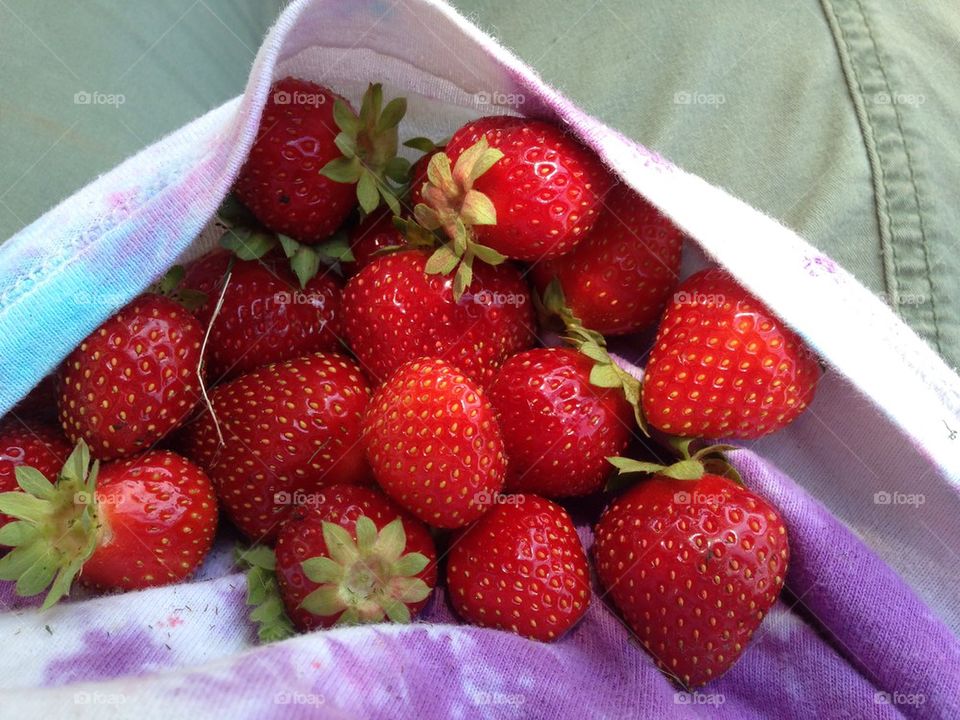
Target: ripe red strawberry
{"type": "Point", "coordinates": [266, 316]}
{"type": "Point", "coordinates": [558, 428]}
{"type": "Point", "coordinates": [434, 444]}
{"type": "Point", "coordinates": [723, 366]}
{"type": "Point", "coordinates": [289, 430]}
{"type": "Point", "coordinates": [281, 182]}
{"type": "Point", "coordinates": [136, 523]}
{"type": "Point", "coordinates": [314, 158]}
{"type": "Point", "coordinates": [394, 312]}
{"type": "Point", "coordinates": [353, 556]}
{"type": "Point", "coordinates": [133, 380]}
{"type": "Point", "coordinates": [693, 566]}
{"type": "Point", "coordinates": [371, 235]}
{"type": "Point", "coordinates": [617, 280]}
{"type": "Point", "coordinates": [522, 568]}
{"type": "Point", "coordinates": [29, 442]}
{"type": "Point", "coordinates": [546, 188]}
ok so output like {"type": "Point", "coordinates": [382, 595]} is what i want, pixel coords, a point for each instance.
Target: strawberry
{"type": "Point", "coordinates": [617, 280]}
{"type": "Point", "coordinates": [314, 158]}
{"type": "Point", "coordinates": [127, 525]}
{"type": "Point", "coordinates": [265, 315]}
{"type": "Point", "coordinates": [280, 181]}
{"type": "Point", "coordinates": [352, 557]}
{"type": "Point", "coordinates": [558, 428]}
{"type": "Point", "coordinates": [434, 445]}
{"type": "Point", "coordinates": [523, 188]}
{"type": "Point", "coordinates": [34, 443]}
{"type": "Point", "coordinates": [521, 567]}
{"type": "Point", "coordinates": [724, 366]}
{"type": "Point", "coordinates": [289, 429]}
{"type": "Point", "coordinates": [368, 238]}
{"type": "Point", "coordinates": [693, 566]}
{"type": "Point", "coordinates": [394, 312]}
{"type": "Point", "coordinates": [133, 379]}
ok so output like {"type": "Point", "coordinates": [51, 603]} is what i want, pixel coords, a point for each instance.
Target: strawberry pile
{"type": "Point", "coordinates": [357, 380]}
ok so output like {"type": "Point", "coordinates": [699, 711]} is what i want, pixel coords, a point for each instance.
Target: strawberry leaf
{"type": "Point", "coordinates": [32, 482]}
{"type": "Point", "coordinates": [336, 249]}
{"type": "Point", "coordinates": [390, 198]}
{"type": "Point", "coordinates": [247, 243]}
{"type": "Point", "coordinates": [170, 281]}
{"type": "Point", "coordinates": [463, 278]}
{"type": "Point", "coordinates": [367, 193]}
{"type": "Point", "coordinates": [323, 570]}
{"type": "Point", "coordinates": [373, 579]}
{"type": "Point", "coordinates": [339, 544]}
{"type": "Point", "coordinates": [684, 470]}
{"type": "Point", "coordinates": [16, 533]}
{"type": "Point", "coordinates": [628, 465]}
{"type": "Point", "coordinates": [324, 601]}
{"type": "Point", "coordinates": [55, 531]}
{"type": "Point", "coordinates": [606, 372]}
{"type": "Point", "coordinates": [305, 264]}
{"type": "Point", "coordinates": [368, 143]}
{"type": "Point", "coordinates": [422, 144]}
{"type": "Point", "coordinates": [392, 114]}
{"type": "Point", "coordinates": [23, 506]}
{"type": "Point", "coordinates": [398, 169]}
{"type": "Point", "coordinates": [411, 564]}
{"type": "Point", "coordinates": [605, 376]}
{"type": "Point", "coordinates": [263, 594]}
{"type": "Point", "coordinates": [366, 534]}
{"type": "Point", "coordinates": [477, 209]}
{"type": "Point", "coordinates": [487, 254]}
{"type": "Point", "coordinates": [233, 213]}
{"type": "Point", "coordinates": [345, 118]}
{"type": "Point", "coordinates": [442, 261]}
{"type": "Point", "coordinates": [397, 611]}
{"type": "Point", "coordinates": [343, 170]}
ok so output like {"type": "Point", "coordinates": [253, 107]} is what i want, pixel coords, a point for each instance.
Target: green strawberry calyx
{"type": "Point", "coordinates": [369, 141]}
{"type": "Point", "coordinates": [55, 529]}
{"type": "Point", "coordinates": [691, 465]}
{"type": "Point", "coordinates": [606, 372]}
{"type": "Point", "coordinates": [170, 286]}
{"type": "Point", "coordinates": [365, 580]}
{"type": "Point", "coordinates": [452, 206]}
{"type": "Point", "coordinates": [263, 594]}
{"type": "Point", "coordinates": [247, 240]}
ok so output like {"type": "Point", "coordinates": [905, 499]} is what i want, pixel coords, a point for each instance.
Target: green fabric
{"type": "Point", "coordinates": [781, 103]}
{"type": "Point", "coordinates": [171, 60]}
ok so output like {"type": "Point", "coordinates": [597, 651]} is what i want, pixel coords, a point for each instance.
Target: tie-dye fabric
{"type": "Point", "coordinates": [867, 628]}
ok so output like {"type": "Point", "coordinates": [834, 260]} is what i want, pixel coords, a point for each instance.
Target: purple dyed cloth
{"type": "Point", "coordinates": [848, 639]}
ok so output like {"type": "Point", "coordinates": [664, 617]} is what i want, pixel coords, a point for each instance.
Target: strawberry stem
{"type": "Point", "coordinates": [689, 466]}
{"type": "Point", "coordinates": [606, 372]}
{"type": "Point", "coordinates": [451, 207]}
{"type": "Point", "coordinates": [369, 142]}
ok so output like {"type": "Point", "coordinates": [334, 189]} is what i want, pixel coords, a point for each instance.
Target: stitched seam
{"type": "Point", "coordinates": [913, 180]}
{"type": "Point", "coordinates": [868, 133]}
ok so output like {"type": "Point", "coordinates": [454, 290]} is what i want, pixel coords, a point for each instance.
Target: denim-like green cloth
{"type": "Point", "coordinates": [838, 117]}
